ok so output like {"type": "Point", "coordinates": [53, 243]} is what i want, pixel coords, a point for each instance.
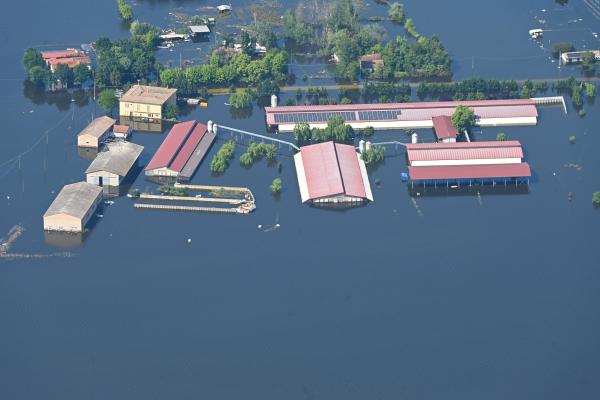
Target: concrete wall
{"type": "Point", "coordinates": [62, 222]}
{"type": "Point", "coordinates": [91, 141]}
{"type": "Point", "coordinates": [161, 172]}
{"type": "Point", "coordinates": [108, 179]}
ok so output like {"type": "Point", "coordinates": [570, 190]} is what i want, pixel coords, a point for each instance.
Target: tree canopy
{"type": "Point", "coordinates": [463, 119]}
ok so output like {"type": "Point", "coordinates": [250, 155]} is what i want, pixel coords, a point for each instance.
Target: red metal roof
{"type": "Point", "coordinates": [120, 128]}
{"type": "Point", "coordinates": [332, 170]}
{"type": "Point", "coordinates": [511, 108]}
{"type": "Point", "coordinates": [444, 128]}
{"type": "Point", "coordinates": [464, 151]}
{"type": "Point", "coordinates": [46, 55]}
{"type": "Point", "coordinates": [171, 145]}
{"type": "Point", "coordinates": [371, 57]}
{"type": "Point", "coordinates": [521, 170]}
{"type": "Point", "coordinates": [188, 148]}
{"type": "Point", "coordinates": [70, 60]}
{"type": "Point", "coordinates": [350, 169]}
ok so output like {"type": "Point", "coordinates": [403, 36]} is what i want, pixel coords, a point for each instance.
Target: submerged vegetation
{"type": "Point", "coordinates": [220, 161]}
{"type": "Point", "coordinates": [173, 191]}
{"type": "Point", "coordinates": [463, 119]}
{"type": "Point", "coordinates": [125, 10]}
{"type": "Point", "coordinates": [276, 186]}
{"type": "Point", "coordinates": [596, 199]}
{"type": "Point", "coordinates": [257, 151]}
{"type": "Point", "coordinates": [374, 155]}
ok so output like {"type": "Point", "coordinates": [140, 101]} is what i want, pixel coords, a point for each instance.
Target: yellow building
{"type": "Point", "coordinates": [73, 207]}
{"type": "Point", "coordinates": [146, 101]}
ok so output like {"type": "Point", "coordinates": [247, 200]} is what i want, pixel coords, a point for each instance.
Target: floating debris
{"type": "Point", "coordinates": [574, 166]}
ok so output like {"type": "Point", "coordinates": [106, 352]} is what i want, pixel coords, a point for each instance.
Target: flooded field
{"type": "Point", "coordinates": [463, 294]}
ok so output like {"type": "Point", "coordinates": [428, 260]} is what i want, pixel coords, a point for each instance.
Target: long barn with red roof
{"type": "Point", "coordinates": [403, 115]}
{"type": "Point", "coordinates": [332, 173]}
{"type": "Point", "coordinates": [182, 151]}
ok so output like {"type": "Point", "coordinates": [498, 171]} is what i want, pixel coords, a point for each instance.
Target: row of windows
{"type": "Point", "coordinates": [314, 117]}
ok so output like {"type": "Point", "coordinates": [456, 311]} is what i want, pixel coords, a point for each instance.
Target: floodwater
{"type": "Point", "coordinates": [451, 296]}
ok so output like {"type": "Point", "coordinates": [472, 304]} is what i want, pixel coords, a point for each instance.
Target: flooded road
{"type": "Point", "coordinates": [477, 295]}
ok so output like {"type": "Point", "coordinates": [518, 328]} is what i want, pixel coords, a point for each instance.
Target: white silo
{"type": "Point", "coordinates": [414, 138]}
{"type": "Point", "coordinates": [361, 146]}
{"type": "Point", "coordinates": [368, 146]}
{"type": "Point", "coordinates": [209, 126]}
{"type": "Point", "coordinates": [214, 129]}
{"type": "Point", "coordinates": [274, 100]}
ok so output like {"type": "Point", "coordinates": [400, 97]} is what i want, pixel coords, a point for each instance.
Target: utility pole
{"type": "Point", "coordinates": [472, 65]}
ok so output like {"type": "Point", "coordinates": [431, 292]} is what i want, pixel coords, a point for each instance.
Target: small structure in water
{"type": "Point", "coordinates": [96, 131]}
{"type": "Point", "coordinates": [574, 57]}
{"type": "Point", "coordinates": [121, 131]}
{"type": "Point", "coordinates": [536, 33]}
{"type": "Point", "coordinates": [73, 207]}
{"type": "Point", "coordinates": [224, 8]}
{"type": "Point", "coordinates": [199, 32]}
{"type": "Point", "coordinates": [111, 166]}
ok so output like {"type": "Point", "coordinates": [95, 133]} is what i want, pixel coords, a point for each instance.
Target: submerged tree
{"type": "Point", "coordinates": [463, 119]}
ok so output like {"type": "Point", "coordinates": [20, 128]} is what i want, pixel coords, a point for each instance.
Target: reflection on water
{"type": "Point", "coordinates": [144, 125]}
{"type": "Point", "coordinates": [474, 190]}
{"type": "Point", "coordinates": [87, 153]}
{"type": "Point", "coordinates": [62, 99]}
{"type": "Point", "coordinates": [64, 240]}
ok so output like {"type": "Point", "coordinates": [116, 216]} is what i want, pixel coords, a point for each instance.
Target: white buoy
{"type": "Point", "coordinates": [274, 100]}
{"type": "Point", "coordinates": [189, 240]}
{"type": "Point", "coordinates": [414, 138]}
{"type": "Point", "coordinates": [259, 226]}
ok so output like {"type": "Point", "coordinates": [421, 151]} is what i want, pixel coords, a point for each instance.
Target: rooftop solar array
{"type": "Point", "coordinates": [316, 117]}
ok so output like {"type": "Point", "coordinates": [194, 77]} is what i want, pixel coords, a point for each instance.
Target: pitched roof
{"type": "Point", "coordinates": [120, 128]}
{"type": "Point", "coordinates": [371, 57]}
{"type": "Point", "coordinates": [488, 171]}
{"type": "Point", "coordinates": [330, 169]}
{"type": "Point", "coordinates": [148, 94]}
{"type": "Point", "coordinates": [188, 147]}
{"type": "Point", "coordinates": [118, 158]}
{"type": "Point", "coordinates": [74, 200]}
{"type": "Point", "coordinates": [199, 29]}
{"type": "Point", "coordinates": [46, 55]}
{"type": "Point", "coordinates": [171, 146]}
{"type": "Point", "coordinates": [464, 151]}
{"type": "Point", "coordinates": [98, 127]}
{"type": "Point", "coordinates": [444, 128]}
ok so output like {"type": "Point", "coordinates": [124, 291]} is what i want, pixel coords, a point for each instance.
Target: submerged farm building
{"type": "Point", "coordinates": [111, 166]}
{"type": "Point", "coordinates": [402, 115]}
{"type": "Point", "coordinates": [146, 101]}
{"type": "Point", "coordinates": [96, 131]}
{"type": "Point", "coordinates": [444, 131]}
{"type": "Point", "coordinates": [73, 207]}
{"type": "Point", "coordinates": [466, 163]}
{"type": "Point", "coordinates": [332, 173]}
{"type": "Point", "coordinates": [182, 151]}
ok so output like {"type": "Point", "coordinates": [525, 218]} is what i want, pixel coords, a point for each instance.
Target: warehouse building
{"type": "Point", "coordinates": [402, 115]}
{"type": "Point", "coordinates": [332, 173]}
{"type": "Point", "coordinates": [467, 163]}
{"type": "Point", "coordinates": [73, 207]}
{"type": "Point", "coordinates": [146, 101]}
{"type": "Point", "coordinates": [182, 151]}
{"type": "Point", "coordinates": [96, 131]}
{"type": "Point", "coordinates": [111, 166]}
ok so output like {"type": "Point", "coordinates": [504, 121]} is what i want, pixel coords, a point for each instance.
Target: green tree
{"type": "Point", "coordinates": [240, 100]}
{"type": "Point", "coordinates": [276, 186]}
{"type": "Point", "coordinates": [170, 111]}
{"type": "Point", "coordinates": [561, 47]}
{"type": "Point", "coordinates": [596, 199]}
{"type": "Point", "coordinates": [588, 61]}
{"type": "Point", "coordinates": [108, 100]}
{"type": "Point", "coordinates": [38, 75]}
{"type": "Point", "coordinates": [590, 89]}
{"type": "Point", "coordinates": [220, 161]}
{"type": "Point", "coordinates": [463, 118]}
{"type": "Point", "coordinates": [396, 13]}
{"type": "Point", "coordinates": [302, 133]}
{"type": "Point", "coordinates": [64, 74]}
{"type": "Point", "coordinates": [369, 131]}
{"type": "Point", "coordinates": [125, 10]}
{"type": "Point", "coordinates": [501, 137]}
{"type": "Point", "coordinates": [572, 139]}
{"type": "Point", "coordinates": [81, 73]}
{"type": "Point", "coordinates": [411, 28]}
{"type": "Point", "coordinates": [33, 58]}
{"type": "Point", "coordinates": [374, 155]}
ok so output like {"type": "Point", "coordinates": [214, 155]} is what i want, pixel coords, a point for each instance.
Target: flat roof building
{"type": "Point", "coordinates": [96, 131]}
{"type": "Point", "coordinates": [484, 162]}
{"type": "Point", "coordinates": [332, 173]}
{"type": "Point", "coordinates": [402, 115]}
{"type": "Point", "coordinates": [146, 101]}
{"type": "Point", "coordinates": [182, 151]}
{"type": "Point", "coordinates": [112, 165]}
{"type": "Point", "coordinates": [73, 207]}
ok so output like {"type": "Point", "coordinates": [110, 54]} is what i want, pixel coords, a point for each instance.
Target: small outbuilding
{"type": "Point", "coordinates": [445, 132]}
{"type": "Point", "coordinates": [199, 31]}
{"type": "Point", "coordinates": [371, 62]}
{"type": "Point", "coordinates": [121, 131]}
{"type": "Point", "coordinates": [224, 8]}
{"type": "Point", "coordinates": [112, 165]}
{"type": "Point", "coordinates": [73, 207]}
{"type": "Point", "coordinates": [96, 131]}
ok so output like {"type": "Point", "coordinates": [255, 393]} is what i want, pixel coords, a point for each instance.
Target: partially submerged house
{"type": "Point", "coordinates": [73, 207]}
{"type": "Point", "coordinates": [146, 101]}
{"type": "Point", "coordinates": [96, 131]}
{"type": "Point", "coordinates": [111, 166]}
{"type": "Point", "coordinates": [70, 57]}
{"type": "Point", "coordinates": [370, 63]}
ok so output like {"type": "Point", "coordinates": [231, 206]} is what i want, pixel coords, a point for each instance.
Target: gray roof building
{"type": "Point", "coordinates": [118, 158]}
{"type": "Point", "coordinates": [75, 200]}
{"type": "Point", "coordinates": [98, 127]}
